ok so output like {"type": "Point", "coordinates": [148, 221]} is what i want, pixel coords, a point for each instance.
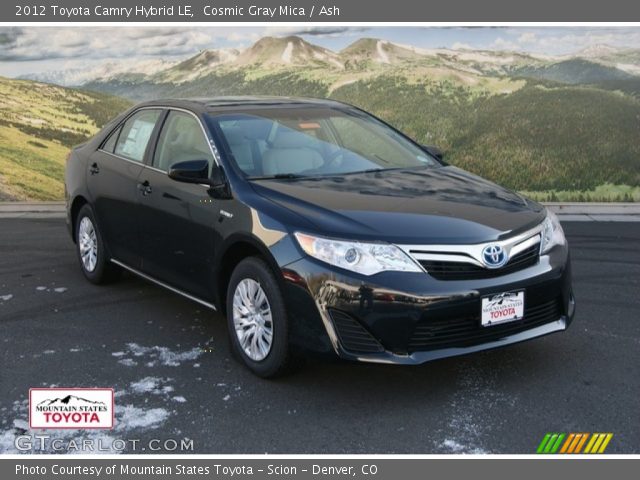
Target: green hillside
{"type": "Point", "coordinates": [575, 71]}
{"type": "Point", "coordinates": [38, 124]}
{"type": "Point", "coordinates": [534, 139]}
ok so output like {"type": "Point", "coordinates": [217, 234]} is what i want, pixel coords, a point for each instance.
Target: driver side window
{"type": "Point", "coordinates": [181, 139]}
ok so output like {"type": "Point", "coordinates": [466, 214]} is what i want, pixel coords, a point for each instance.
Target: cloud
{"type": "Point", "coordinates": [527, 37]}
{"type": "Point", "coordinates": [324, 31]}
{"type": "Point", "coordinates": [46, 43]}
{"type": "Point", "coordinates": [503, 44]}
{"type": "Point", "coordinates": [8, 35]}
{"type": "Point", "coordinates": [564, 40]}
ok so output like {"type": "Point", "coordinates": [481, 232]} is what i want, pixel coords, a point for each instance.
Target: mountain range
{"type": "Point", "coordinates": [69, 400]}
{"type": "Point", "coordinates": [555, 127]}
{"type": "Point", "coordinates": [280, 52]}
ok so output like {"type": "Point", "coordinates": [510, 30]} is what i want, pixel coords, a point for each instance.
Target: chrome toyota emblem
{"type": "Point", "coordinates": [494, 256]}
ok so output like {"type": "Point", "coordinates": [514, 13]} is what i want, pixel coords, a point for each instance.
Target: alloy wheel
{"type": "Point", "coordinates": [252, 319]}
{"type": "Point", "coordinates": [88, 244]}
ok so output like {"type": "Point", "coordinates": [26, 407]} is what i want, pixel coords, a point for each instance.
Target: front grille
{"type": "Point", "coordinates": [467, 271]}
{"type": "Point", "coordinates": [441, 332]}
{"type": "Point", "coordinates": [353, 336]}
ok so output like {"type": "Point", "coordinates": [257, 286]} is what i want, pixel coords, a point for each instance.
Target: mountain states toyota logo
{"type": "Point", "coordinates": [77, 408]}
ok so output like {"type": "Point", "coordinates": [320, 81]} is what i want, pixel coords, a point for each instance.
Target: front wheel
{"type": "Point", "coordinates": [92, 252]}
{"type": "Point", "coordinates": [257, 319]}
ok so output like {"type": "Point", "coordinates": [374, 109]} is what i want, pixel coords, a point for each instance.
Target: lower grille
{"type": "Point", "coordinates": [467, 331]}
{"type": "Point", "coordinates": [353, 336]}
{"type": "Point", "coordinates": [467, 271]}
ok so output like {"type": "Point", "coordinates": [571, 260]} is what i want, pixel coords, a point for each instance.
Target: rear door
{"type": "Point", "coordinates": [178, 220]}
{"type": "Point", "coordinates": [112, 180]}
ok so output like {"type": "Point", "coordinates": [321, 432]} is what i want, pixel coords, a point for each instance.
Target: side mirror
{"type": "Point", "coordinates": [190, 171]}
{"type": "Point", "coordinates": [197, 171]}
{"type": "Point", "coordinates": [434, 152]}
{"type": "Point", "coordinates": [220, 188]}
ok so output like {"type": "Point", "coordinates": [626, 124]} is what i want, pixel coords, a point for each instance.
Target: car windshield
{"type": "Point", "coordinates": [292, 142]}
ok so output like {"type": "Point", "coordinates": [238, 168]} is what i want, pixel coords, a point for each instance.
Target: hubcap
{"type": "Point", "coordinates": [88, 244]}
{"type": "Point", "coordinates": [252, 319]}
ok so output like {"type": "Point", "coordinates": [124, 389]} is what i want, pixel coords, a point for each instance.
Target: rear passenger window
{"type": "Point", "coordinates": [110, 144]}
{"type": "Point", "coordinates": [181, 139]}
{"type": "Point", "coordinates": [136, 133]}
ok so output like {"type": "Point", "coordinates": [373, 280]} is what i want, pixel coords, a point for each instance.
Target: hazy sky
{"type": "Point", "coordinates": [25, 50]}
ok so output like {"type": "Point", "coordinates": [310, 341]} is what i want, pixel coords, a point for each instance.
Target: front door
{"type": "Point", "coordinates": [178, 220]}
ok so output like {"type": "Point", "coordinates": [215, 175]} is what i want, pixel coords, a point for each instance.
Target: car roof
{"type": "Point", "coordinates": [207, 104]}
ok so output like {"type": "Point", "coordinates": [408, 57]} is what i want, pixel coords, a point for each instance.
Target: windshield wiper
{"type": "Point", "coordinates": [278, 176]}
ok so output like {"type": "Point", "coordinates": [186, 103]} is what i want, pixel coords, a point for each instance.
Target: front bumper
{"type": "Point", "coordinates": [411, 318]}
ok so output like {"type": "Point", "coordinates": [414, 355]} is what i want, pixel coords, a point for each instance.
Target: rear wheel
{"type": "Point", "coordinates": [257, 319]}
{"type": "Point", "coordinates": [92, 251]}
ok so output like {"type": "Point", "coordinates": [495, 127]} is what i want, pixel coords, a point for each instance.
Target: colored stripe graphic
{"type": "Point", "coordinates": [598, 443]}
{"type": "Point", "coordinates": [550, 443]}
{"type": "Point", "coordinates": [574, 442]}
{"type": "Point", "coordinates": [543, 443]}
{"type": "Point", "coordinates": [604, 445]}
{"type": "Point", "coordinates": [581, 443]}
{"type": "Point", "coordinates": [570, 439]}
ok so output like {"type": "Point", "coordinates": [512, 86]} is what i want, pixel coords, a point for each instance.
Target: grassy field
{"type": "Point", "coordinates": [38, 125]}
{"type": "Point", "coordinates": [30, 169]}
{"type": "Point", "coordinates": [602, 193]}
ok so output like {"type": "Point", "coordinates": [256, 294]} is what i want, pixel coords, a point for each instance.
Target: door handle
{"type": "Point", "coordinates": [145, 188]}
{"type": "Point", "coordinates": [94, 169]}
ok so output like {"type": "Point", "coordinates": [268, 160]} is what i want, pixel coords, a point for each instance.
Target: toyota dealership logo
{"type": "Point", "coordinates": [53, 408]}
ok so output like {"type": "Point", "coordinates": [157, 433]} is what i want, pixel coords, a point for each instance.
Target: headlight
{"type": "Point", "coordinates": [364, 258]}
{"type": "Point", "coordinates": [552, 233]}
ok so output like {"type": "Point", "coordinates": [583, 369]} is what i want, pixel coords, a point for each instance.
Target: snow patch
{"type": "Point", "coordinates": [629, 68]}
{"type": "Point", "coordinates": [152, 385]}
{"type": "Point", "coordinates": [21, 424]}
{"type": "Point", "coordinates": [7, 439]}
{"type": "Point", "coordinates": [161, 355]}
{"type": "Point", "coordinates": [179, 399]}
{"type": "Point", "coordinates": [60, 289]}
{"type": "Point", "coordinates": [382, 55]}
{"type": "Point", "coordinates": [455, 447]}
{"type": "Point", "coordinates": [131, 418]}
{"type": "Point", "coordinates": [128, 362]}
{"type": "Point", "coordinates": [286, 53]}
{"type": "Point", "coordinates": [478, 395]}
{"type": "Point", "coordinates": [6, 298]}
{"type": "Point", "coordinates": [146, 385]}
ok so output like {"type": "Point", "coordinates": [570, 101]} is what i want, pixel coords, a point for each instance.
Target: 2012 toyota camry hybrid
{"type": "Point", "coordinates": [310, 223]}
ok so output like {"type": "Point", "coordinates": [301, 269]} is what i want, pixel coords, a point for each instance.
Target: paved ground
{"type": "Point", "coordinates": [169, 363]}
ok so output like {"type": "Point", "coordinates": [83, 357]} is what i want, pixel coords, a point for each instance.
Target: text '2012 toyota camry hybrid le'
{"type": "Point", "coordinates": [310, 223]}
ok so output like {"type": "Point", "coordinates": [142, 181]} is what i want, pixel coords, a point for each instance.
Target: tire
{"type": "Point", "coordinates": [95, 263]}
{"type": "Point", "coordinates": [250, 276]}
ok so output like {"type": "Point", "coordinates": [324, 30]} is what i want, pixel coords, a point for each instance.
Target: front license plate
{"type": "Point", "coordinates": [502, 307]}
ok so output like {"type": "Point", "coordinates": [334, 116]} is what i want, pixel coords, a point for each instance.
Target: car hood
{"type": "Point", "coordinates": [431, 205]}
